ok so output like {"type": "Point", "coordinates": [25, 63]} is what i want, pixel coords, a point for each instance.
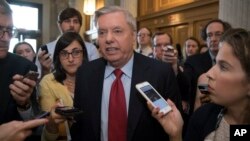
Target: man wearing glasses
{"type": "Point", "coordinates": [144, 42]}
{"type": "Point", "coordinates": [201, 63]}
{"type": "Point", "coordinates": [17, 94]}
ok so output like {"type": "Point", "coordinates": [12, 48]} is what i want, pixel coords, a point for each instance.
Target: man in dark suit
{"type": "Point", "coordinates": [201, 63]}
{"type": "Point", "coordinates": [116, 37]}
{"type": "Point", "coordinates": [17, 94]}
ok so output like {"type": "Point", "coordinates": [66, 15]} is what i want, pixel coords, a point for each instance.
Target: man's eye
{"type": "Point", "coordinates": [101, 32]}
{"type": "Point", "coordinates": [117, 31]}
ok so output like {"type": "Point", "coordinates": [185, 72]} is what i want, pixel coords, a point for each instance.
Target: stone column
{"type": "Point", "coordinates": [236, 12]}
{"type": "Point", "coordinates": [131, 5]}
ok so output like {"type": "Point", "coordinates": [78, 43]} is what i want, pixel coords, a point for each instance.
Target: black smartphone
{"type": "Point", "coordinates": [203, 88]}
{"type": "Point", "coordinates": [68, 111]}
{"type": "Point", "coordinates": [42, 115]}
{"type": "Point", "coordinates": [44, 47]}
{"type": "Point", "coordinates": [32, 75]}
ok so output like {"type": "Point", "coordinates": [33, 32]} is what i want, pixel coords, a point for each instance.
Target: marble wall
{"type": "Point", "coordinates": [236, 12]}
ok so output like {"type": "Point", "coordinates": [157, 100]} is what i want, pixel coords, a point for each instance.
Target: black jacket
{"type": "Point", "coordinates": [141, 125]}
{"type": "Point", "coordinates": [193, 68]}
{"type": "Point", "coordinates": [9, 66]}
{"type": "Point", "coordinates": [203, 122]}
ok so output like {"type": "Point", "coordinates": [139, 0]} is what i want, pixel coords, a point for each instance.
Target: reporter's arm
{"type": "Point", "coordinates": [19, 130]}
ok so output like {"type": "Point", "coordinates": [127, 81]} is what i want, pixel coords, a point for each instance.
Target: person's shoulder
{"type": "Point", "coordinates": [147, 60]}
{"type": "Point", "coordinates": [19, 60]}
{"type": "Point", "coordinates": [197, 57]}
{"type": "Point", "coordinates": [207, 112]}
{"type": "Point", "coordinates": [94, 64]}
{"type": "Point", "coordinates": [158, 67]}
{"type": "Point", "coordinates": [88, 43]}
{"type": "Point", "coordinates": [203, 121]}
{"type": "Point", "coordinates": [209, 108]}
{"type": "Point", "coordinates": [53, 43]}
{"type": "Point", "coordinates": [48, 77]}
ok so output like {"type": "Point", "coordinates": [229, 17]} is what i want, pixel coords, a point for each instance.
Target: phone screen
{"type": "Point", "coordinates": [154, 97]}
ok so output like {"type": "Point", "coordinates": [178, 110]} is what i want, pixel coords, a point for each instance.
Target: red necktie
{"type": "Point", "coordinates": [117, 120]}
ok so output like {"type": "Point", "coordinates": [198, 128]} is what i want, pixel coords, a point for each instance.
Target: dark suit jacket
{"type": "Point", "coordinates": [9, 66]}
{"type": "Point", "coordinates": [141, 125]}
{"type": "Point", "coordinates": [203, 122]}
{"type": "Point", "coordinates": [193, 68]}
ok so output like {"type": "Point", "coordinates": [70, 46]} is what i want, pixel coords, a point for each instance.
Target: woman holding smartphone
{"type": "Point", "coordinates": [57, 88]}
{"type": "Point", "coordinates": [229, 87]}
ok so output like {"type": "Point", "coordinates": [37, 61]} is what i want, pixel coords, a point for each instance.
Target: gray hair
{"type": "Point", "coordinates": [5, 8]}
{"type": "Point", "coordinates": [110, 9]}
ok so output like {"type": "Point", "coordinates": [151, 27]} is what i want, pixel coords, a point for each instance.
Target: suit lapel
{"type": "Point", "coordinates": [5, 80]}
{"type": "Point", "coordinates": [96, 87]}
{"type": "Point", "coordinates": [135, 106]}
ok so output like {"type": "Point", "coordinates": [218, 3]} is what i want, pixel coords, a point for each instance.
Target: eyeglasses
{"type": "Point", "coordinates": [75, 54]}
{"type": "Point", "coordinates": [11, 31]}
{"type": "Point", "coordinates": [143, 35]}
{"type": "Point", "coordinates": [216, 35]}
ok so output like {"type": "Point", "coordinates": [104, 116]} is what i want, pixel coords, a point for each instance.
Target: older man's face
{"type": "Point", "coordinates": [6, 26]}
{"type": "Point", "coordinates": [115, 38]}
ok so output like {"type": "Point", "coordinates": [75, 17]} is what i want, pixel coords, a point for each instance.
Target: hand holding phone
{"type": "Point", "coordinates": [150, 94]}
{"type": "Point", "coordinates": [32, 75]}
{"type": "Point", "coordinates": [68, 111]}
{"type": "Point", "coordinates": [168, 48]}
{"type": "Point", "coordinates": [44, 48]}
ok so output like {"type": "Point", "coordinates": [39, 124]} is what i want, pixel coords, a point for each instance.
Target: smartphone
{"type": "Point", "coordinates": [68, 111]}
{"type": "Point", "coordinates": [42, 115]}
{"type": "Point", "coordinates": [151, 95]}
{"type": "Point", "coordinates": [203, 88]}
{"type": "Point", "coordinates": [44, 47]}
{"type": "Point", "coordinates": [32, 75]}
{"type": "Point", "coordinates": [168, 48]}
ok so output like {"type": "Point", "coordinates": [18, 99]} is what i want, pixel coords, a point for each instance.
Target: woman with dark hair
{"type": "Point", "coordinates": [25, 50]}
{"type": "Point", "coordinates": [57, 88]}
{"type": "Point", "coordinates": [229, 91]}
{"type": "Point", "coordinates": [191, 47]}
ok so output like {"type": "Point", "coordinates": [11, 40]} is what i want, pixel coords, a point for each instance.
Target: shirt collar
{"type": "Point", "coordinates": [212, 57]}
{"type": "Point", "coordinates": [126, 69]}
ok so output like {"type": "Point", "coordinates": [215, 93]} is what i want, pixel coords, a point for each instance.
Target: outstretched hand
{"type": "Point", "coordinates": [172, 122]}
{"type": "Point", "coordinates": [19, 130]}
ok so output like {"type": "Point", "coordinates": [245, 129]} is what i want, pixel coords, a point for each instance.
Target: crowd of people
{"type": "Point", "coordinates": [101, 82]}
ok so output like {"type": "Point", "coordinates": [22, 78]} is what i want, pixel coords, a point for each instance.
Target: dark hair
{"type": "Point", "coordinates": [22, 43]}
{"type": "Point", "coordinates": [225, 25]}
{"type": "Point", "coordinates": [157, 33]}
{"type": "Point", "coordinates": [69, 13]}
{"type": "Point", "coordinates": [194, 39]}
{"type": "Point", "coordinates": [184, 47]}
{"type": "Point", "coordinates": [239, 40]}
{"type": "Point", "coordinates": [65, 40]}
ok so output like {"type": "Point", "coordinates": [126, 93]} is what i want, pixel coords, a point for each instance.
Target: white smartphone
{"type": "Point", "coordinates": [150, 94]}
